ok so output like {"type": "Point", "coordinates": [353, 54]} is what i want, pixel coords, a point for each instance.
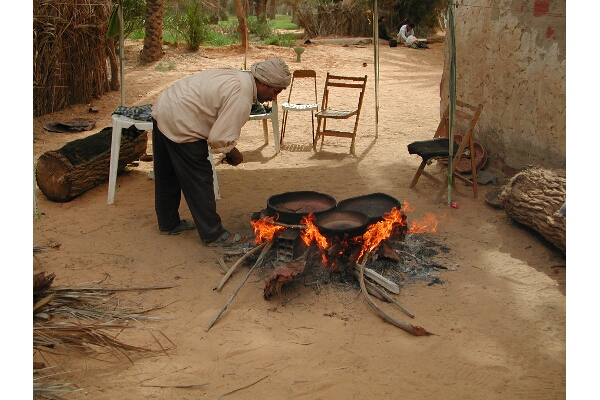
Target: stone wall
{"type": "Point", "coordinates": [511, 56]}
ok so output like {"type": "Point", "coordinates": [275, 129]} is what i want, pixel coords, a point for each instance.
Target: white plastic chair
{"type": "Point", "coordinates": [120, 122]}
{"type": "Point", "coordinates": [302, 101]}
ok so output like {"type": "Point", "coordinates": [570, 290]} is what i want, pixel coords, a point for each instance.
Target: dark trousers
{"type": "Point", "coordinates": [184, 167]}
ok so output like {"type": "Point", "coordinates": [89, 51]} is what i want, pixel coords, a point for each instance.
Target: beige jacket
{"type": "Point", "coordinates": [211, 105]}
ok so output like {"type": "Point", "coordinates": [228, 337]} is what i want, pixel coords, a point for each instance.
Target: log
{"type": "Point", "coordinates": [533, 197]}
{"type": "Point", "coordinates": [83, 164]}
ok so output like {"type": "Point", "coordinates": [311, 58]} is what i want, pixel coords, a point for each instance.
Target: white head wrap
{"type": "Point", "coordinates": [273, 72]}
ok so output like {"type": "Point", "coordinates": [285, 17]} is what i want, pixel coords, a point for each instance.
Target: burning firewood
{"type": "Point", "coordinates": [282, 275]}
{"type": "Point", "coordinates": [385, 251]}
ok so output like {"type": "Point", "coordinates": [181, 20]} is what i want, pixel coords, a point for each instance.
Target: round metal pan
{"type": "Point", "coordinates": [373, 205]}
{"type": "Point", "coordinates": [291, 207]}
{"type": "Point", "coordinates": [339, 223]}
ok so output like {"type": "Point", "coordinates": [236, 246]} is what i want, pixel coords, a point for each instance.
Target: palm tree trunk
{"type": "Point", "coordinates": [240, 12]}
{"type": "Point", "coordinates": [271, 7]}
{"type": "Point", "coordinates": [152, 50]}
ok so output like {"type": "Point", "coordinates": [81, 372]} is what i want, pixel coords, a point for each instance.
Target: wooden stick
{"type": "Point", "coordinates": [386, 283]}
{"type": "Point", "coordinates": [291, 226]}
{"type": "Point", "coordinates": [389, 298]}
{"type": "Point", "coordinates": [223, 265]}
{"type": "Point", "coordinates": [371, 288]}
{"type": "Point", "coordinates": [415, 330]}
{"type": "Point", "coordinates": [266, 247]}
{"type": "Point", "coordinates": [237, 263]}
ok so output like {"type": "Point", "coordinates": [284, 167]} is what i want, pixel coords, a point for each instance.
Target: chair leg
{"type": "Point", "coordinates": [283, 123]}
{"type": "Point", "coordinates": [114, 159]}
{"type": "Point", "coordinates": [418, 174]}
{"type": "Point", "coordinates": [312, 119]}
{"type": "Point", "coordinates": [473, 168]}
{"type": "Point", "coordinates": [266, 130]}
{"type": "Point", "coordinates": [316, 138]}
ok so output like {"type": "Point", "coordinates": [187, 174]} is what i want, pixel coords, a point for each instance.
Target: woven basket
{"type": "Point", "coordinates": [464, 163]}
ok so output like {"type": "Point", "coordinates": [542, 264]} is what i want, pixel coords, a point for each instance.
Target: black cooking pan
{"type": "Point", "coordinates": [337, 223]}
{"type": "Point", "coordinates": [373, 205]}
{"type": "Point", "coordinates": [291, 207]}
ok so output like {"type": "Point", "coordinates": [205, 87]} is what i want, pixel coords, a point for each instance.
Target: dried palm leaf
{"type": "Point", "coordinates": [53, 391]}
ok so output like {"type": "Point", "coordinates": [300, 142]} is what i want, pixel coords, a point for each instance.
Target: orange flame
{"type": "Point", "coordinates": [425, 225]}
{"type": "Point", "coordinates": [311, 232]}
{"type": "Point", "coordinates": [407, 207]}
{"type": "Point", "coordinates": [381, 230]}
{"type": "Point", "coordinates": [265, 229]}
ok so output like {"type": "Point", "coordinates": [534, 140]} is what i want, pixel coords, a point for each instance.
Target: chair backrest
{"type": "Point", "coordinates": [341, 92]}
{"type": "Point", "coordinates": [302, 84]}
{"type": "Point", "coordinates": [467, 113]}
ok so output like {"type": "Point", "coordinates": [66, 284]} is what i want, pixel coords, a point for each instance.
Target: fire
{"type": "Point", "coordinates": [392, 225]}
{"type": "Point", "coordinates": [311, 232]}
{"type": "Point", "coordinates": [407, 207]}
{"type": "Point", "coordinates": [382, 230]}
{"type": "Point", "coordinates": [426, 224]}
{"type": "Point", "coordinates": [265, 229]}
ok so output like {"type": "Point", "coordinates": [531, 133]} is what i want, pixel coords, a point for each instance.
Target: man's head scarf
{"type": "Point", "coordinates": [273, 72]}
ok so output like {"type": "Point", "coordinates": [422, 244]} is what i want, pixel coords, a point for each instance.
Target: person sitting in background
{"type": "Point", "coordinates": [406, 31]}
{"type": "Point", "coordinates": [382, 29]}
{"type": "Point", "coordinates": [407, 35]}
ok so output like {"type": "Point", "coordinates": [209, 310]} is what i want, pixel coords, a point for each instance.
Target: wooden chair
{"type": "Point", "coordinates": [340, 98]}
{"type": "Point", "coordinates": [438, 147]}
{"type": "Point", "coordinates": [301, 101]}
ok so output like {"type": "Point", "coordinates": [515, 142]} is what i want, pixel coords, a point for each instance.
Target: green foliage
{"type": "Point", "coordinates": [217, 38]}
{"type": "Point", "coordinates": [259, 28]}
{"type": "Point", "coordinates": [283, 22]}
{"type": "Point", "coordinates": [187, 21]}
{"type": "Point", "coordinates": [279, 39]}
{"type": "Point", "coordinates": [134, 16]}
{"type": "Point", "coordinates": [164, 67]}
{"type": "Point", "coordinates": [230, 8]}
{"type": "Point", "coordinates": [137, 34]}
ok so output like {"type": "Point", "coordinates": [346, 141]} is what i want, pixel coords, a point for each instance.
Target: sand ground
{"type": "Point", "coordinates": [499, 317]}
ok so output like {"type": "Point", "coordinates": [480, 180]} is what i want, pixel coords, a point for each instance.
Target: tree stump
{"type": "Point", "coordinates": [83, 164]}
{"type": "Point", "coordinates": [533, 198]}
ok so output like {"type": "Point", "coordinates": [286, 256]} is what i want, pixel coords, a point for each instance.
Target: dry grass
{"type": "Point", "coordinates": [90, 320]}
{"type": "Point", "coordinates": [69, 53]}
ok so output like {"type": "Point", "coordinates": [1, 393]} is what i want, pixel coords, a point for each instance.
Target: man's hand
{"type": "Point", "coordinates": [234, 157]}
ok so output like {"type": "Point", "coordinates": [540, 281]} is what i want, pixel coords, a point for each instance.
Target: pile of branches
{"type": "Point", "coordinates": [70, 50]}
{"type": "Point", "coordinates": [354, 20]}
{"type": "Point", "coordinates": [85, 319]}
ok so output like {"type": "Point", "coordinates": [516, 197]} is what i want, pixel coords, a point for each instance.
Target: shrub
{"type": "Point", "coordinates": [187, 21]}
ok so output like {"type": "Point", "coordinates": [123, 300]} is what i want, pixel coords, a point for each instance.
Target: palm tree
{"type": "Point", "coordinates": [242, 24]}
{"type": "Point", "coordinates": [152, 50]}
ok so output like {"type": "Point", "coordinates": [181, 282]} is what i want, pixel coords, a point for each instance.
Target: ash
{"type": "Point", "coordinates": [419, 260]}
